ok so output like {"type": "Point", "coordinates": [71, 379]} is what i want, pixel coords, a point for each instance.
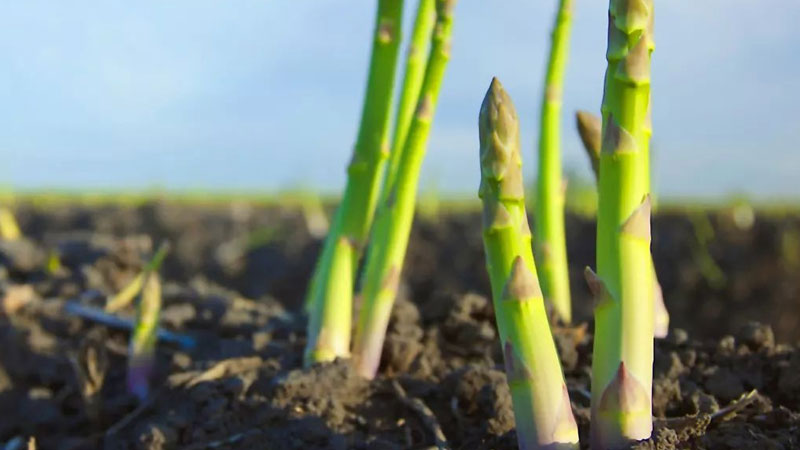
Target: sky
{"type": "Point", "coordinates": [266, 95]}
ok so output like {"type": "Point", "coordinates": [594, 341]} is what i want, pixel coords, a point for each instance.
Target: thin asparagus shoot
{"type": "Point", "coordinates": [351, 224]}
{"type": "Point", "coordinates": [132, 289]}
{"type": "Point", "coordinates": [622, 367]}
{"type": "Point", "coordinates": [540, 400]}
{"type": "Point", "coordinates": [141, 352]}
{"type": "Point", "coordinates": [551, 244]}
{"type": "Point", "coordinates": [416, 60]}
{"type": "Point", "coordinates": [589, 128]}
{"type": "Point", "coordinates": [389, 236]}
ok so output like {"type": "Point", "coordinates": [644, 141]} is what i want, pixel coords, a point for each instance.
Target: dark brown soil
{"type": "Point", "coordinates": [239, 297]}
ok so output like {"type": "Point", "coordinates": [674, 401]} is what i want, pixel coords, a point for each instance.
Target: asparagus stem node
{"type": "Point", "coordinates": [540, 400]}
{"type": "Point", "coordinates": [590, 130]}
{"type": "Point", "coordinates": [389, 236]}
{"type": "Point", "coordinates": [551, 240]}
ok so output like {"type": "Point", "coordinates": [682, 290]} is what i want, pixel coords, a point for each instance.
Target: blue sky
{"type": "Point", "coordinates": [266, 94]}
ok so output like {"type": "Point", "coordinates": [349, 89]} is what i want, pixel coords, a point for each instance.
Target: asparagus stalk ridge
{"type": "Point", "coordinates": [353, 219]}
{"type": "Point", "coordinates": [541, 403]}
{"type": "Point", "coordinates": [389, 235]}
{"type": "Point", "coordinates": [622, 367]}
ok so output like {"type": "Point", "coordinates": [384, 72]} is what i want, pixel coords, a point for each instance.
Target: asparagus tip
{"type": "Point", "coordinates": [501, 163]}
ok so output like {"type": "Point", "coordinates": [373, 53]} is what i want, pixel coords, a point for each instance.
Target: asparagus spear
{"type": "Point", "coordinates": [389, 236]}
{"type": "Point", "coordinates": [551, 242]}
{"type": "Point", "coordinates": [412, 82]}
{"type": "Point", "coordinates": [589, 127]}
{"type": "Point", "coordinates": [353, 217]}
{"type": "Point", "coordinates": [541, 403]}
{"type": "Point", "coordinates": [129, 292]}
{"type": "Point", "coordinates": [622, 366]}
{"type": "Point", "coordinates": [141, 360]}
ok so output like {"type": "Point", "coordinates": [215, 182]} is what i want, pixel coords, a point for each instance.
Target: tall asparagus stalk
{"type": "Point", "coordinates": [330, 291]}
{"type": "Point", "coordinates": [541, 403]}
{"type": "Point", "coordinates": [622, 368]}
{"type": "Point", "coordinates": [589, 128]}
{"type": "Point", "coordinates": [412, 82]}
{"type": "Point", "coordinates": [551, 242]}
{"type": "Point", "coordinates": [389, 236]}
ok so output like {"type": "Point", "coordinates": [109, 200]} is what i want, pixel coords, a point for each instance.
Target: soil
{"type": "Point", "coordinates": [235, 280]}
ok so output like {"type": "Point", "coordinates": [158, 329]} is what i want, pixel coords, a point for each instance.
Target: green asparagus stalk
{"type": "Point", "coordinates": [353, 218]}
{"type": "Point", "coordinates": [541, 403]}
{"type": "Point", "coordinates": [141, 362]}
{"type": "Point", "coordinates": [551, 241]}
{"type": "Point", "coordinates": [132, 289]}
{"type": "Point", "coordinates": [412, 82]}
{"type": "Point", "coordinates": [333, 324]}
{"type": "Point", "coordinates": [622, 368]}
{"type": "Point", "coordinates": [589, 127]}
{"type": "Point", "coordinates": [389, 236]}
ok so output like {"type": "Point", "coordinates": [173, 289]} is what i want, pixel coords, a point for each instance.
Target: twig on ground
{"type": "Point", "coordinates": [144, 406]}
{"type": "Point", "coordinates": [424, 413]}
{"type": "Point", "coordinates": [222, 369]}
{"type": "Point", "coordinates": [113, 321]}
{"type": "Point", "coordinates": [228, 440]}
{"type": "Point", "coordinates": [691, 426]}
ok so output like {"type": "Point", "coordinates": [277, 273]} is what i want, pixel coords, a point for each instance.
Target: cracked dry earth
{"type": "Point", "coordinates": [724, 383]}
